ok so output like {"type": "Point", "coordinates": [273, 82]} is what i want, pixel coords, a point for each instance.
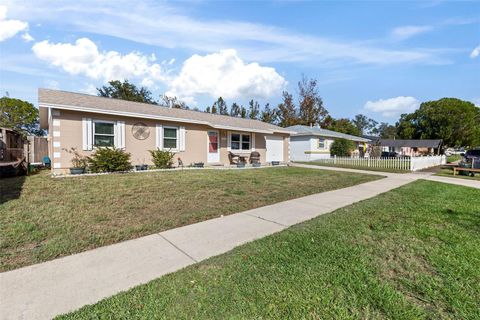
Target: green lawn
{"type": "Point", "coordinates": [42, 218]}
{"type": "Point", "coordinates": [411, 253]}
{"type": "Point", "coordinates": [316, 163]}
{"type": "Point", "coordinates": [448, 172]}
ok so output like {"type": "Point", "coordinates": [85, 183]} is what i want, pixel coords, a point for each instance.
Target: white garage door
{"type": "Point", "coordinates": [274, 145]}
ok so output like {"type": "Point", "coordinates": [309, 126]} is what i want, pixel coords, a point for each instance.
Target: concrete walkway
{"type": "Point", "coordinates": [48, 289]}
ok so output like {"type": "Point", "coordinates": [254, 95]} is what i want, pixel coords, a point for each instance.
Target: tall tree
{"type": "Point", "coordinates": [311, 109]}
{"type": "Point", "coordinates": [269, 115]}
{"type": "Point", "coordinates": [220, 106]}
{"type": "Point", "coordinates": [235, 110]}
{"type": "Point", "coordinates": [173, 102]}
{"type": "Point", "coordinates": [345, 126]}
{"type": "Point", "coordinates": [126, 91]}
{"type": "Point", "coordinates": [287, 113]}
{"type": "Point", "coordinates": [365, 124]}
{"type": "Point", "coordinates": [19, 115]}
{"type": "Point", "coordinates": [455, 121]}
{"type": "Point", "coordinates": [214, 109]}
{"type": "Point", "coordinates": [243, 112]}
{"type": "Point", "coordinates": [387, 131]}
{"type": "Point", "coordinates": [253, 109]}
{"type": "Point", "coordinates": [207, 110]}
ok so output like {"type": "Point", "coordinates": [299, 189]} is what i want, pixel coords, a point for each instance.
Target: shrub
{"type": "Point", "coordinates": [78, 161]}
{"type": "Point", "coordinates": [162, 159]}
{"type": "Point", "coordinates": [342, 147]}
{"type": "Point", "coordinates": [109, 160]}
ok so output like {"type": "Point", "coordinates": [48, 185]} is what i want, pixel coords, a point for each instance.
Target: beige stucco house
{"type": "Point", "coordinates": [88, 122]}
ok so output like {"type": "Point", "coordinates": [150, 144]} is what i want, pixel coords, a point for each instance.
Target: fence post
{"type": "Point", "coordinates": [335, 159]}
{"type": "Point", "coordinates": [411, 163]}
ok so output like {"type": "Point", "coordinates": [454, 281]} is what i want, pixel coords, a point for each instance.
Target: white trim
{"type": "Point", "coordinates": [241, 141]}
{"type": "Point", "coordinates": [56, 133]}
{"type": "Point", "coordinates": [115, 134]}
{"type": "Point", "coordinates": [87, 136]}
{"type": "Point", "coordinates": [56, 154]}
{"type": "Point", "coordinates": [156, 117]}
{"type": "Point", "coordinates": [252, 142]}
{"type": "Point", "coordinates": [57, 165]}
{"type": "Point", "coordinates": [177, 138]}
{"type": "Point", "coordinates": [56, 144]}
{"type": "Point", "coordinates": [182, 138]}
{"type": "Point", "coordinates": [159, 136]}
{"type": "Point", "coordinates": [120, 135]}
{"type": "Point", "coordinates": [56, 122]}
{"type": "Point", "coordinates": [217, 155]}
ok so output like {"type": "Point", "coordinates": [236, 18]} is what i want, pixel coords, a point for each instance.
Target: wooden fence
{"type": "Point", "coordinates": [406, 164]}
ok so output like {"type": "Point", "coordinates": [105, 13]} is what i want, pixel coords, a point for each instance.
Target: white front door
{"type": "Point", "coordinates": [274, 146]}
{"type": "Point", "coordinates": [213, 150]}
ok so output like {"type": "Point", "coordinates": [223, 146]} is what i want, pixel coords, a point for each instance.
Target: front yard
{"type": "Point", "coordinates": [411, 253]}
{"type": "Point", "coordinates": [42, 218]}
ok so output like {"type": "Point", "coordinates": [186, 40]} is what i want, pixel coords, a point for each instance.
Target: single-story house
{"type": "Point", "coordinates": [411, 148]}
{"type": "Point", "coordinates": [309, 143]}
{"type": "Point", "coordinates": [87, 122]}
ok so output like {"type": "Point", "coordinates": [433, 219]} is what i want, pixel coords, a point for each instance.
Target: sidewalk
{"type": "Point", "coordinates": [48, 289]}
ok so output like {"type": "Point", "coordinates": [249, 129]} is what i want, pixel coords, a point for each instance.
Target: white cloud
{"type": "Point", "coordinates": [84, 58]}
{"type": "Point", "coordinates": [225, 74]}
{"type": "Point", "coordinates": [156, 23]}
{"type": "Point", "coordinates": [27, 37]}
{"type": "Point", "coordinates": [10, 27]}
{"type": "Point", "coordinates": [475, 52]}
{"type": "Point", "coordinates": [217, 74]}
{"type": "Point", "coordinates": [89, 89]}
{"type": "Point", "coordinates": [405, 32]}
{"type": "Point", "coordinates": [393, 107]}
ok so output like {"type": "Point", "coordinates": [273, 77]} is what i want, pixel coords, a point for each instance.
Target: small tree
{"type": "Point", "coordinates": [162, 159]}
{"type": "Point", "coordinates": [78, 161]}
{"type": "Point", "coordinates": [109, 160]}
{"type": "Point", "coordinates": [19, 115]}
{"type": "Point", "coordinates": [341, 147]}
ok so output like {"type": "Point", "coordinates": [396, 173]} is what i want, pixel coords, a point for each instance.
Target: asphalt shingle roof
{"type": "Point", "coordinates": [89, 103]}
{"type": "Point", "coordinates": [317, 131]}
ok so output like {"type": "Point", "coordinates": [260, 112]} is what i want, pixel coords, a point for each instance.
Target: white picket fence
{"type": "Point", "coordinates": [407, 164]}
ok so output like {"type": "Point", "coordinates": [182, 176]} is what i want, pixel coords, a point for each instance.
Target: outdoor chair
{"type": "Point", "coordinates": [255, 157]}
{"type": "Point", "coordinates": [235, 158]}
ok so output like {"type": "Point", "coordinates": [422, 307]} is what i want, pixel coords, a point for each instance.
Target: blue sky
{"type": "Point", "coordinates": [377, 58]}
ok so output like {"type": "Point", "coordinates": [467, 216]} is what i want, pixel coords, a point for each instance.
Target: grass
{"type": "Point", "coordinates": [448, 172]}
{"type": "Point", "coordinates": [453, 158]}
{"type": "Point", "coordinates": [42, 218]}
{"type": "Point", "coordinates": [411, 253]}
{"type": "Point", "coordinates": [356, 167]}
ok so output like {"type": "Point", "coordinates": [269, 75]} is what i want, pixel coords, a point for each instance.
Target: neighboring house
{"type": "Point", "coordinates": [410, 148]}
{"type": "Point", "coordinates": [87, 122]}
{"type": "Point", "coordinates": [311, 143]}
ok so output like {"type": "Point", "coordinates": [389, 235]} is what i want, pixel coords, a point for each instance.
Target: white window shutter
{"type": "Point", "coordinates": [87, 134]}
{"type": "Point", "coordinates": [253, 141]}
{"type": "Point", "coordinates": [120, 135]}
{"type": "Point", "coordinates": [159, 136]}
{"type": "Point", "coordinates": [229, 141]}
{"type": "Point", "coordinates": [182, 139]}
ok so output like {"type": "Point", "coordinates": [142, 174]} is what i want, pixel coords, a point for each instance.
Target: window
{"type": "Point", "coordinates": [240, 141]}
{"type": "Point", "coordinates": [170, 138]}
{"type": "Point", "coordinates": [321, 143]}
{"type": "Point", "coordinates": [103, 134]}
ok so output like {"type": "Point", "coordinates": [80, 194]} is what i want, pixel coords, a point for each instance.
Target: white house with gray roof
{"type": "Point", "coordinates": [312, 143]}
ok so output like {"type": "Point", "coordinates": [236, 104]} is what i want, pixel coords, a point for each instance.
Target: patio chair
{"type": "Point", "coordinates": [233, 158]}
{"type": "Point", "coordinates": [255, 157]}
